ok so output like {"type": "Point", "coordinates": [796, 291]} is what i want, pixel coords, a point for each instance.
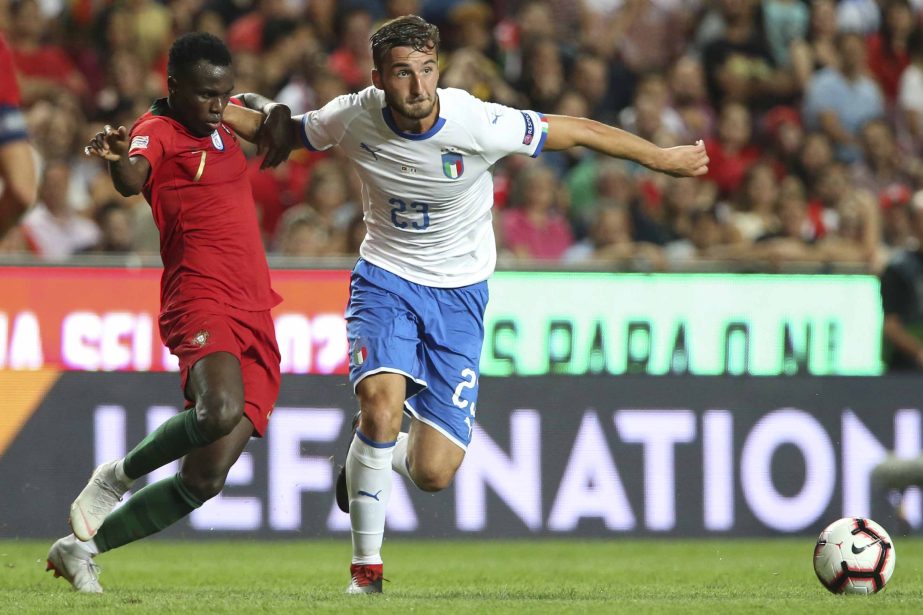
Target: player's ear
{"type": "Point", "coordinates": [171, 84]}
{"type": "Point", "coordinates": [376, 79]}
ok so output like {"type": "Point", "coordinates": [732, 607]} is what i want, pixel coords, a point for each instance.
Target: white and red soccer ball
{"type": "Point", "coordinates": [854, 556]}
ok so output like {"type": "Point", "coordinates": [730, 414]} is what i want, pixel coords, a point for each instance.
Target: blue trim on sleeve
{"type": "Point", "coordinates": [12, 124]}
{"type": "Point", "coordinates": [373, 443]}
{"type": "Point", "coordinates": [304, 134]}
{"type": "Point", "coordinates": [541, 140]}
{"type": "Point", "coordinates": [389, 120]}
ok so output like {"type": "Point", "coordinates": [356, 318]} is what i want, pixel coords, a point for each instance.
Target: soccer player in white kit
{"type": "Point", "coordinates": [418, 291]}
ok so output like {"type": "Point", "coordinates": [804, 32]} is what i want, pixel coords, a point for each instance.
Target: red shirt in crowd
{"type": "Point", "coordinates": [9, 87]}
{"type": "Point", "coordinates": [201, 200]}
{"type": "Point", "coordinates": [727, 169]}
{"type": "Point", "coordinates": [886, 65]}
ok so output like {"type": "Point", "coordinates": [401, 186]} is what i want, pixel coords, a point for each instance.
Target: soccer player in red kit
{"type": "Point", "coordinates": [215, 307]}
{"type": "Point", "coordinates": [17, 168]}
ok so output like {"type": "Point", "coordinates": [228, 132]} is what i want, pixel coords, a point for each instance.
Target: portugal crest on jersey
{"type": "Point", "coordinates": [453, 165]}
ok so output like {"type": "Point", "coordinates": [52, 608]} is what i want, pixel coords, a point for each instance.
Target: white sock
{"type": "Point", "coordinates": [89, 545]}
{"type": "Point", "coordinates": [368, 481]}
{"type": "Point", "coordinates": [399, 459]}
{"type": "Point", "coordinates": [120, 473]}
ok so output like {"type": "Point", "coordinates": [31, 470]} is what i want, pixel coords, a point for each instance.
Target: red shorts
{"type": "Point", "coordinates": [200, 328]}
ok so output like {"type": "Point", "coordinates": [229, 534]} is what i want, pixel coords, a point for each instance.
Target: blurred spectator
{"type": "Point", "coordinates": [690, 97]}
{"type": "Point", "coordinates": [131, 88]}
{"type": "Point", "coordinates": [753, 212]}
{"type": "Point", "coordinates": [818, 50]}
{"type": "Point", "coordinates": [352, 59]}
{"type": "Point", "coordinates": [534, 227]}
{"type": "Point", "coordinates": [853, 237]}
{"type": "Point", "coordinates": [472, 71]}
{"type": "Point", "coordinates": [862, 16]}
{"type": "Point", "coordinates": [45, 69]}
{"type": "Point", "coordinates": [590, 77]}
{"type": "Point", "coordinates": [840, 100]}
{"type": "Point", "coordinates": [245, 33]}
{"type": "Point", "coordinates": [887, 49]}
{"type": "Point", "coordinates": [902, 300]}
{"type": "Point", "coordinates": [302, 234]}
{"type": "Point", "coordinates": [646, 35]}
{"type": "Point", "coordinates": [680, 197]}
{"type": "Point", "coordinates": [651, 115]}
{"type": "Point", "coordinates": [738, 64]}
{"type": "Point", "coordinates": [815, 155]}
{"type": "Point", "coordinates": [784, 138]}
{"type": "Point", "coordinates": [328, 195]}
{"type": "Point", "coordinates": [785, 22]}
{"type": "Point", "coordinates": [151, 26]}
{"type": "Point", "coordinates": [610, 240]}
{"type": "Point", "coordinates": [733, 151]}
{"type": "Point", "coordinates": [881, 164]}
{"type": "Point", "coordinates": [469, 27]}
{"type": "Point", "coordinates": [910, 91]}
{"type": "Point", "coordinates": [543, 75]}
{"type": "Point", "coordinates": [794, 236]}
{"type": "Point", "coordinates": [281, 50]}
{"type": "Point", "coordinates": [116, 229]}
{"type": "Point", "coordinates": [595, 179]}
{"type": "Point", "coordinates": [53, 230]}
{"type": "Point", "coordinates": [706, 241]}
{"type": "Point", "coordinates": [896, 227]}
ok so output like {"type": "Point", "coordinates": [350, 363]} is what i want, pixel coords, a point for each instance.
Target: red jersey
{"type": "Point", "coordinates": [202, 203]}
{"type": "Point", "coordinates": [9, 87]}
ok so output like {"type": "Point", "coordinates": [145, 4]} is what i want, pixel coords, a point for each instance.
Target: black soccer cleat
{"type": "Point", "coordinates": [342, 493]}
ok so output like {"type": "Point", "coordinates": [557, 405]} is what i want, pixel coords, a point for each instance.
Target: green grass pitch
{"type": "Point", "coordinates": [472, 576]}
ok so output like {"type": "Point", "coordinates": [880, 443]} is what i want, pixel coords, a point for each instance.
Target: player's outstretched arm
{"type": "Point", "coordinates": [128, 174]}
{"type": "Point", "coordinates": [683, 161]}
{"type": "Point", "coordinates": [265, 122]}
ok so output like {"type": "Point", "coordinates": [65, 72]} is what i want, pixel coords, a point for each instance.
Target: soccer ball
{"type": "Point", "coordinates": [854, 556]}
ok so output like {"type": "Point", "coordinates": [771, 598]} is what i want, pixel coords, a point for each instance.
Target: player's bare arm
{"type": "Point", "coordinates": [265, 122]}
{"type": "Point", "coordinates": [17, 183]}
{"type": "Point", "coordinates": [128, 174]}
{"type": "Point", "coordinates": [682, 161]}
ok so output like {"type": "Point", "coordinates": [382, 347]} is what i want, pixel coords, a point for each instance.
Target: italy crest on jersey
{"type": "Point", "coordinates": [453, 165]}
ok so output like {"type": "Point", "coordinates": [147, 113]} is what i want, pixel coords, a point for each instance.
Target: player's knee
{"type": "Point", "coordinates": [218, 413]}
{"type": "Point", "coordinates": [431, 479]}
{"type": "Point", "coordinates": [204, 484]}
{"type": "Point", "coordinates": [381, 411]}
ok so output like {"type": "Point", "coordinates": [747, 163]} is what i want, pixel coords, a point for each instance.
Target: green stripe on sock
{"type": "Point", "coordinates": [174, 438]}
{"type": "Point", "coordinates": [147, 512]}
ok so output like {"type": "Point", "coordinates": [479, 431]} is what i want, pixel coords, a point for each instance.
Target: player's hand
{"type": "Point", "coordinates": [275, 137]}
{"type": "Point", "coordinates": [110, 144]}
{"type": "Point", "coordinates": [684, 160]}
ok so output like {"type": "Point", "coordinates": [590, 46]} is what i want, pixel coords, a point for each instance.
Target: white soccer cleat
{"type": "Point", "coordinates": [73, 560]}
{"type": "Point", "coordinates": [96, 501]}
{"type": "Point", "coordinates": [366, 579]}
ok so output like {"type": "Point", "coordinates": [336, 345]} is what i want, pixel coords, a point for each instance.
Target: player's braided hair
{"type": "Point", "coordinates": [406, 31]}
{"type": "Point", "coordinates": [193, 47]}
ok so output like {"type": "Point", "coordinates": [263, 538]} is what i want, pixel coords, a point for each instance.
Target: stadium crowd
{"type": "Point", "coordinates": [811, 111]}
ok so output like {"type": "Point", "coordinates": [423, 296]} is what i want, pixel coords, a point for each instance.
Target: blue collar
{"type": "Point", "coordinates": [389, 120]}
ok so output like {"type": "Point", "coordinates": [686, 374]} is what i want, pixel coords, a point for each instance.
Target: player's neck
{"type": "Point", "coordinates": [415, 126]}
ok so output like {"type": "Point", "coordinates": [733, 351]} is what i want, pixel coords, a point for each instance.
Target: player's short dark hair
{"type": "Point", "coordinates": [191, 48]}
{"type": "Point", "coordinates": [406, 31]}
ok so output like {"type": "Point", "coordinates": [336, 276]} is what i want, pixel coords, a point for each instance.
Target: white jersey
{"type": "Point", "coordinates": [427, 197]}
